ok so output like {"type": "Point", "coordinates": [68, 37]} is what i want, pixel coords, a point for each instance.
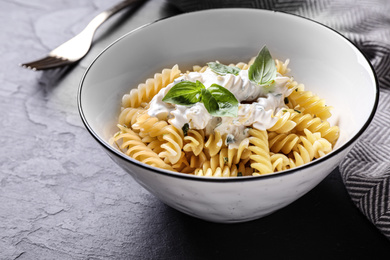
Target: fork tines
{"type": "Point", "coordinates": [49, 62]}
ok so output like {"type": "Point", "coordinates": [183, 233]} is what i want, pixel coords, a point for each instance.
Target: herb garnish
{"type": "Point", "coordinates": [185, 128]}
{"type": "Point", "coordinates": [217, 100]}
{"type": "Point", "coordinates": [184, 93]}
{"type": "Point", "coordinates": [222, 69]}
{"type": "Point", "coordinates": [263, 70]}
{"type": "Point", "coordinates": [225, 160]}
{"type": "Point", "coordinates": [230, 139]}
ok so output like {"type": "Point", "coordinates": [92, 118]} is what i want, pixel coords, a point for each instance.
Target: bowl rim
{"type": "Point", "coordinates": [168, 173]}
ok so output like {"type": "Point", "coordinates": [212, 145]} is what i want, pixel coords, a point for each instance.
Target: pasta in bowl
{"type": "Point", "coordinates": [235, 142]}
{"type": "Point", "coordinates": [262, 121]}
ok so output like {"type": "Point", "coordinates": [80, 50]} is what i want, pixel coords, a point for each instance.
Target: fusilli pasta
{"type": "Point", "coordinates": [261, 160]}
{"type": "Point", "coordinates": [146, 91]}
{"type": "Point", "coordinates": [172, 136]}
{"type": "Point", "coordinates": [300, 134]}
{"type": "Point", "coordinates": [137, 149]}
{"type": "Point", "coordinates": [309, 103]}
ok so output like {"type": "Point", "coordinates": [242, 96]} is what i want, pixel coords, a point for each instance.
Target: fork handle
{"type": "Point", "coordinates": [102, 17]}
{"type": "Point", "coordinates": [120, 6]}
{"type": "Point", "coordinates": [86, 35]}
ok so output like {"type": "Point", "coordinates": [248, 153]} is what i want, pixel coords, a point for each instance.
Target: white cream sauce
{"type": "Point", "coordinates": [258, 105]}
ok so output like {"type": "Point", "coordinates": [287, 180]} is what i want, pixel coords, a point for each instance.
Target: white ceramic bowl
{"type": "Point", "coordinates": [326, 62]}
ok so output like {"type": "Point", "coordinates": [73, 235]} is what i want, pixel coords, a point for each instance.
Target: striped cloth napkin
{"type": "Point", "coordinates": [366, 169]}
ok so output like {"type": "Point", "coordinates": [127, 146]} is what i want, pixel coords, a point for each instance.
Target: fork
{"type": "Point", "coordinates": [77, 47]}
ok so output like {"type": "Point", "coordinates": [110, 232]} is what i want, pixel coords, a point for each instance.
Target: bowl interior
{"type": "Point", "coordinates": [324, 61]}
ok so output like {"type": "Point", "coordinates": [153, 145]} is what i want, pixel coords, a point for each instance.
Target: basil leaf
{"type": "Point", "coordinates": [223, 69]}
{"type": "Point", "coordinates": [217, 100]}
{"type": "Point", "coordinates": [209, 102]}
{"type": "Point", "coordinates": [184, 93]}
{"type": "Point", "coordinates": [227, 102]}
{"type": "Point", "coordinates": [263, 70]}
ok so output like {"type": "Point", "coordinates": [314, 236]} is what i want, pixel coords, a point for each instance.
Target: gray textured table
{"type": "Point", "coordinates": [62, 198]}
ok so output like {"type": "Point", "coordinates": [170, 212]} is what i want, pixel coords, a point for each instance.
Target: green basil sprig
{"type": "Point", "coordinates": [222, 69]}
{"type": "Point", "coordinates": [217, 100]}
{"type": "Point", "coordinates": [263, 70]}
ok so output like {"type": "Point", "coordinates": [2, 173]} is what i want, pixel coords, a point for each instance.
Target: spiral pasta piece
{"type": "Point", "coordinates": [303, 153]}
{"type": "Point", "coordinates": [315, 124]}
{"type": "Point", "coordinates": [282, 142]}
{"type": "Point", "coordinates": [146, 91]}
{"type": "Point", "coordinates": [224, 171]}
{"type": "Point", "coordinates": [321, 146]}
{"type": "Point", "coordinates": [280, 162]}
{"type": "Point", "coordinates": [181, 163]}
{"type": "Point", "coordinates": [229, 156]}
{"type": "Point", "coordinates": [194, 141]}
{"type": "Point", "coordinates": [197, 161]}
{"type": "Point", "coordinates": [218, 165]}
{"type": "Point", "coordinates": [147, 139]}
{"type": "Point", "coordinates": [128, 115]}
{"type": "Point", "coordinates": [155, 145]}
{"type": "Point", "coordinates": [313, 146]}
{"type": "Point", "coordinates": [133, 146]}
{"type": "Point", "coordinates": [240, 154]}
{"type": "Point", "coordinates": [245, 169]}
{"type": "Point", "coordinates": [214, 143]}
{"type": "Point", "coordinates": [198, 68]}
{"type": "Point", "coordinates": [173, 136]}
{"type": "Point", "coordinates": [282, 67]}
{"type": "Point", "coordinates": [260, 157]}
{"type": "Point", "coordinates": [284, 123]}
{"type": "Point", "coordinates": [209, 166]}
{"type": "Point", "coordinates": [309, 102]}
